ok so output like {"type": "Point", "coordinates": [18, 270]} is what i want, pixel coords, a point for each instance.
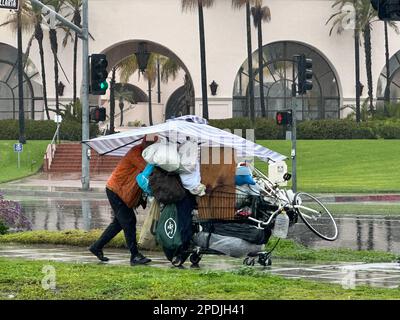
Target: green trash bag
{"type": "Point", "coordinates": [168, 235]}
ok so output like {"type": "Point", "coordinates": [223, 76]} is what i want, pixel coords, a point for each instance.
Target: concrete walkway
{"type": "Point", "coordinates": [349, 275]}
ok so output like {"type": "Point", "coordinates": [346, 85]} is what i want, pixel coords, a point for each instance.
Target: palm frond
{"type": "Point", "coordinates": [189, 5]}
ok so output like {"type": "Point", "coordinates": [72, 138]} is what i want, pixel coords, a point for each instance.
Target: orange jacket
{"type": "Point", "coordinates": [123, 179]}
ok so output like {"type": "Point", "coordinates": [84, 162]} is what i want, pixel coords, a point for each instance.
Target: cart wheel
{"type": "Point", "coordinates": [195, 258]}
{"type": "Point", "coordinates": [264, 259]}
{"type": "Point", "coordinates": [248, 261]}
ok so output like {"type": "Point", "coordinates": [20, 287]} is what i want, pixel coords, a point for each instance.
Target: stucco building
{"type": "Point", "coordinates": [297, 26]}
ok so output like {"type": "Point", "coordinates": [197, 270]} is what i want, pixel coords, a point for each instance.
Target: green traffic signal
{"type": "Point", "coordinates": [104, 85]}
{"type": "Point", "coordinates": [99, 73]}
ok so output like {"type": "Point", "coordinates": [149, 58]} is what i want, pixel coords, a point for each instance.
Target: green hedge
{"type": "Point", "coordinates": [267, 129]}
{"type": "Point", "coordinates": [44, 130]}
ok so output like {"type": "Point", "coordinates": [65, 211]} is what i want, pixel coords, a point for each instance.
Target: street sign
{"type": "Point", "coordinates": [9, 4]}
{"type": "Point", "coordinates": [57, 118]}
{"type": "Point", "coordinates": [18, 147]}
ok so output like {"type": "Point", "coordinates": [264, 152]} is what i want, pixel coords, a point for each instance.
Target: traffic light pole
{"type": "Point", "coordinates": [294, 130]}
{"type": "Point", "coordinates": [85, 97]}
{"type": "Point", "coordinates": [84, 35]}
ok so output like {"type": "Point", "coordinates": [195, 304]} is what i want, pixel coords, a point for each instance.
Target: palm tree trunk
{"type": "Point", "coordinates": [54, 49]}
{"type": "Point", "coordinates": [39, 39]}
{"type": "Point", "coordinates": [357, 69]}
{"type": "Point", "coordinates": [150, 104]}
{"type": "Point", "coordinates": [250, 61]}
{"type": "Point", "coordinates": [387, 89]}
{"type": "Point", "coordinates": [75, 67]}
{"type": "Point", "coordinates": [203, 62]}
{"type": "Point", "coordinates": [77, 22]}
{"type": "Point", "coordinates": [158, 81]}
{"type": "Point", "coordinates": [21, 113]}
{"type": "Point", "coordinates": [112, 102]}
{"type": "Point", "coordinates": [261, 68]}
{"type": "Point", "coordinates": [368, 65]}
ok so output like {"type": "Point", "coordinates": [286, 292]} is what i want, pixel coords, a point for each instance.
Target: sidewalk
{"type": "Point", "coordinates": [69, 185]}
{"type": "Point", "coordinates": [384, 275]}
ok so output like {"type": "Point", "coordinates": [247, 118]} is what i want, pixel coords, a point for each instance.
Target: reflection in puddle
{"type": "Point", "coordinates": [359, 232]}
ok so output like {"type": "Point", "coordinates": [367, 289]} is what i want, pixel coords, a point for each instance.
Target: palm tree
{"type": "Point", "coordinates": [261, 14]}
{"type": "Point", "coordinates": [32, 21]}
{"type": "Point", "coordinates": [76, 19]}
{"type": "Point", "coordinates": [57, 4]}
{"type": "Point", "coordinates": [169, 68]}
{"type": "Point", "coordinates": [387, 89]}
{"type": "Point", "coordinates": [337, 22]}
{"type": "Point", "coordinates": [365, 16]}
{"type": "Point", "coordinates": [238, 4]}
{"type": "Point", "coordinates": [112, 100]}
{"type": "Point", "coordinates": [122, 96]}
{"type": "Point", "coordinates": [200, 5]}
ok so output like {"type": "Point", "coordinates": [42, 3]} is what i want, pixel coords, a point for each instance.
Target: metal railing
{"type": "Point", "coordinates": [51, 148]}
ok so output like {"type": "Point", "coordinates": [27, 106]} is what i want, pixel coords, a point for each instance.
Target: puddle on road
{"type": "Point", "coordinates": [359, 232]}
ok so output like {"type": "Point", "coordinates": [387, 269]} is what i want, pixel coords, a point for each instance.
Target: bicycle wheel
{"type": "Point", "coordinates": [316, 216]}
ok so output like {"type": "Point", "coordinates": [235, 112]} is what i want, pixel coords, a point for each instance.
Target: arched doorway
{"type": "Point", "coordinates": [322, 102]}
{"type": "Point", "coordinates": [32, 88]}
{"type": "Point", "coordinates": [119, 51]}
{"type": "Point", "coordinates": [393, 79]}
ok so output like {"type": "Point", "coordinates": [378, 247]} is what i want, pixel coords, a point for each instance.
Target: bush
{"type": "Point", "coordinates": [44, 130]}
{"type": "Point", "coordinates": [267, 129]}
{"type": "Point", "coordinates": [3, 228]}
{"type": "Point", "coordinates": [11, 216]}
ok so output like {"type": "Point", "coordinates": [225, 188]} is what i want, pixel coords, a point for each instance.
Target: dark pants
{"type": "Point", "coordinates": [124, 219]}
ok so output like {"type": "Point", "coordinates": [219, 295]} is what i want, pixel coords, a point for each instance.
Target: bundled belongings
{"type": "Point", "coordinates": [174, 229]}
{"type": "Point", "coordinates": [166, 186]}
{"type": "Point", "coordinates": [231, 238]}
{"type": "Point", "coordinates": [147, 238]}
{"type": "Point", "coordinates": [163, 154]}
{"type": "Point", "coordinates": [231, 246]}
{"type": "Point", "coordinates": [245, 231]}
{"type": "Point", "coordinates": [143, 179]}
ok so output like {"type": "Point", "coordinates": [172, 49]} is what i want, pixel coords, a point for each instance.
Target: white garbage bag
{"type": "Point", "coordinates": [163, 154]}
{"type": "Point", "coordinates": [192, 181]}
{"type": "Point", "coordinates": [189, 154]}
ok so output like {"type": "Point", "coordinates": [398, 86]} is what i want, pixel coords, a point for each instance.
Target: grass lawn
{"type": "Point", "coordinates": [343, 165]}
{"type": "Point", "coordinates": [31, 159]}
{"type": "Point", "coordinates": [366, 208]}
{"type": "Point", "coordinates": [22, 279]}
{"type": "Point", "coordinates": [287, 249]}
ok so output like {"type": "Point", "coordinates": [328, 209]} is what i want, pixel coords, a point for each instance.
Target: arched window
{"type": "Point", "coordinates": [9, 104]}
{"type": "Point", "coordinates": [323, 101]}
{"type": "Point", "coordinates": [393, 80]}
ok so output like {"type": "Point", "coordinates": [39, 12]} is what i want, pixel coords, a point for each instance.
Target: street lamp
{"type": "Point", "coordinates": [214, 87]}
{"type": "Point", "coordinates": [142, 56]}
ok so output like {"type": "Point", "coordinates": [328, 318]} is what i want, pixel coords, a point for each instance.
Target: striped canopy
{"type": "Point", "coordinates": [177, 131]}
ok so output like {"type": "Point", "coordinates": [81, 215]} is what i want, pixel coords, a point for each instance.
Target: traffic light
{"type": "Point", "coordinates": [98, 73]}
{"type": "Point", "coordinates": [388, 10]}
{"type": "Point", "coordinates": [97, 114]}
{"type": "Point", "coordinates": [284, 118]}
{"type": "Point", "coordinates": [304, 74]}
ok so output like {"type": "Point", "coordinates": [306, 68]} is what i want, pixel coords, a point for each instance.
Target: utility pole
{"type": "Point", "coordinates": [85, 97]}
{"type": "Point", "coordinates": [84, 35]}
{"type": "Point", "coordinates": [294, 127]}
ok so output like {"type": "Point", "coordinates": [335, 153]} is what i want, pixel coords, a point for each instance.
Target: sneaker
{"type": "Point", "coordinates": [139, 259]}
{"type": "Point", "coordinates": [99, 254]}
